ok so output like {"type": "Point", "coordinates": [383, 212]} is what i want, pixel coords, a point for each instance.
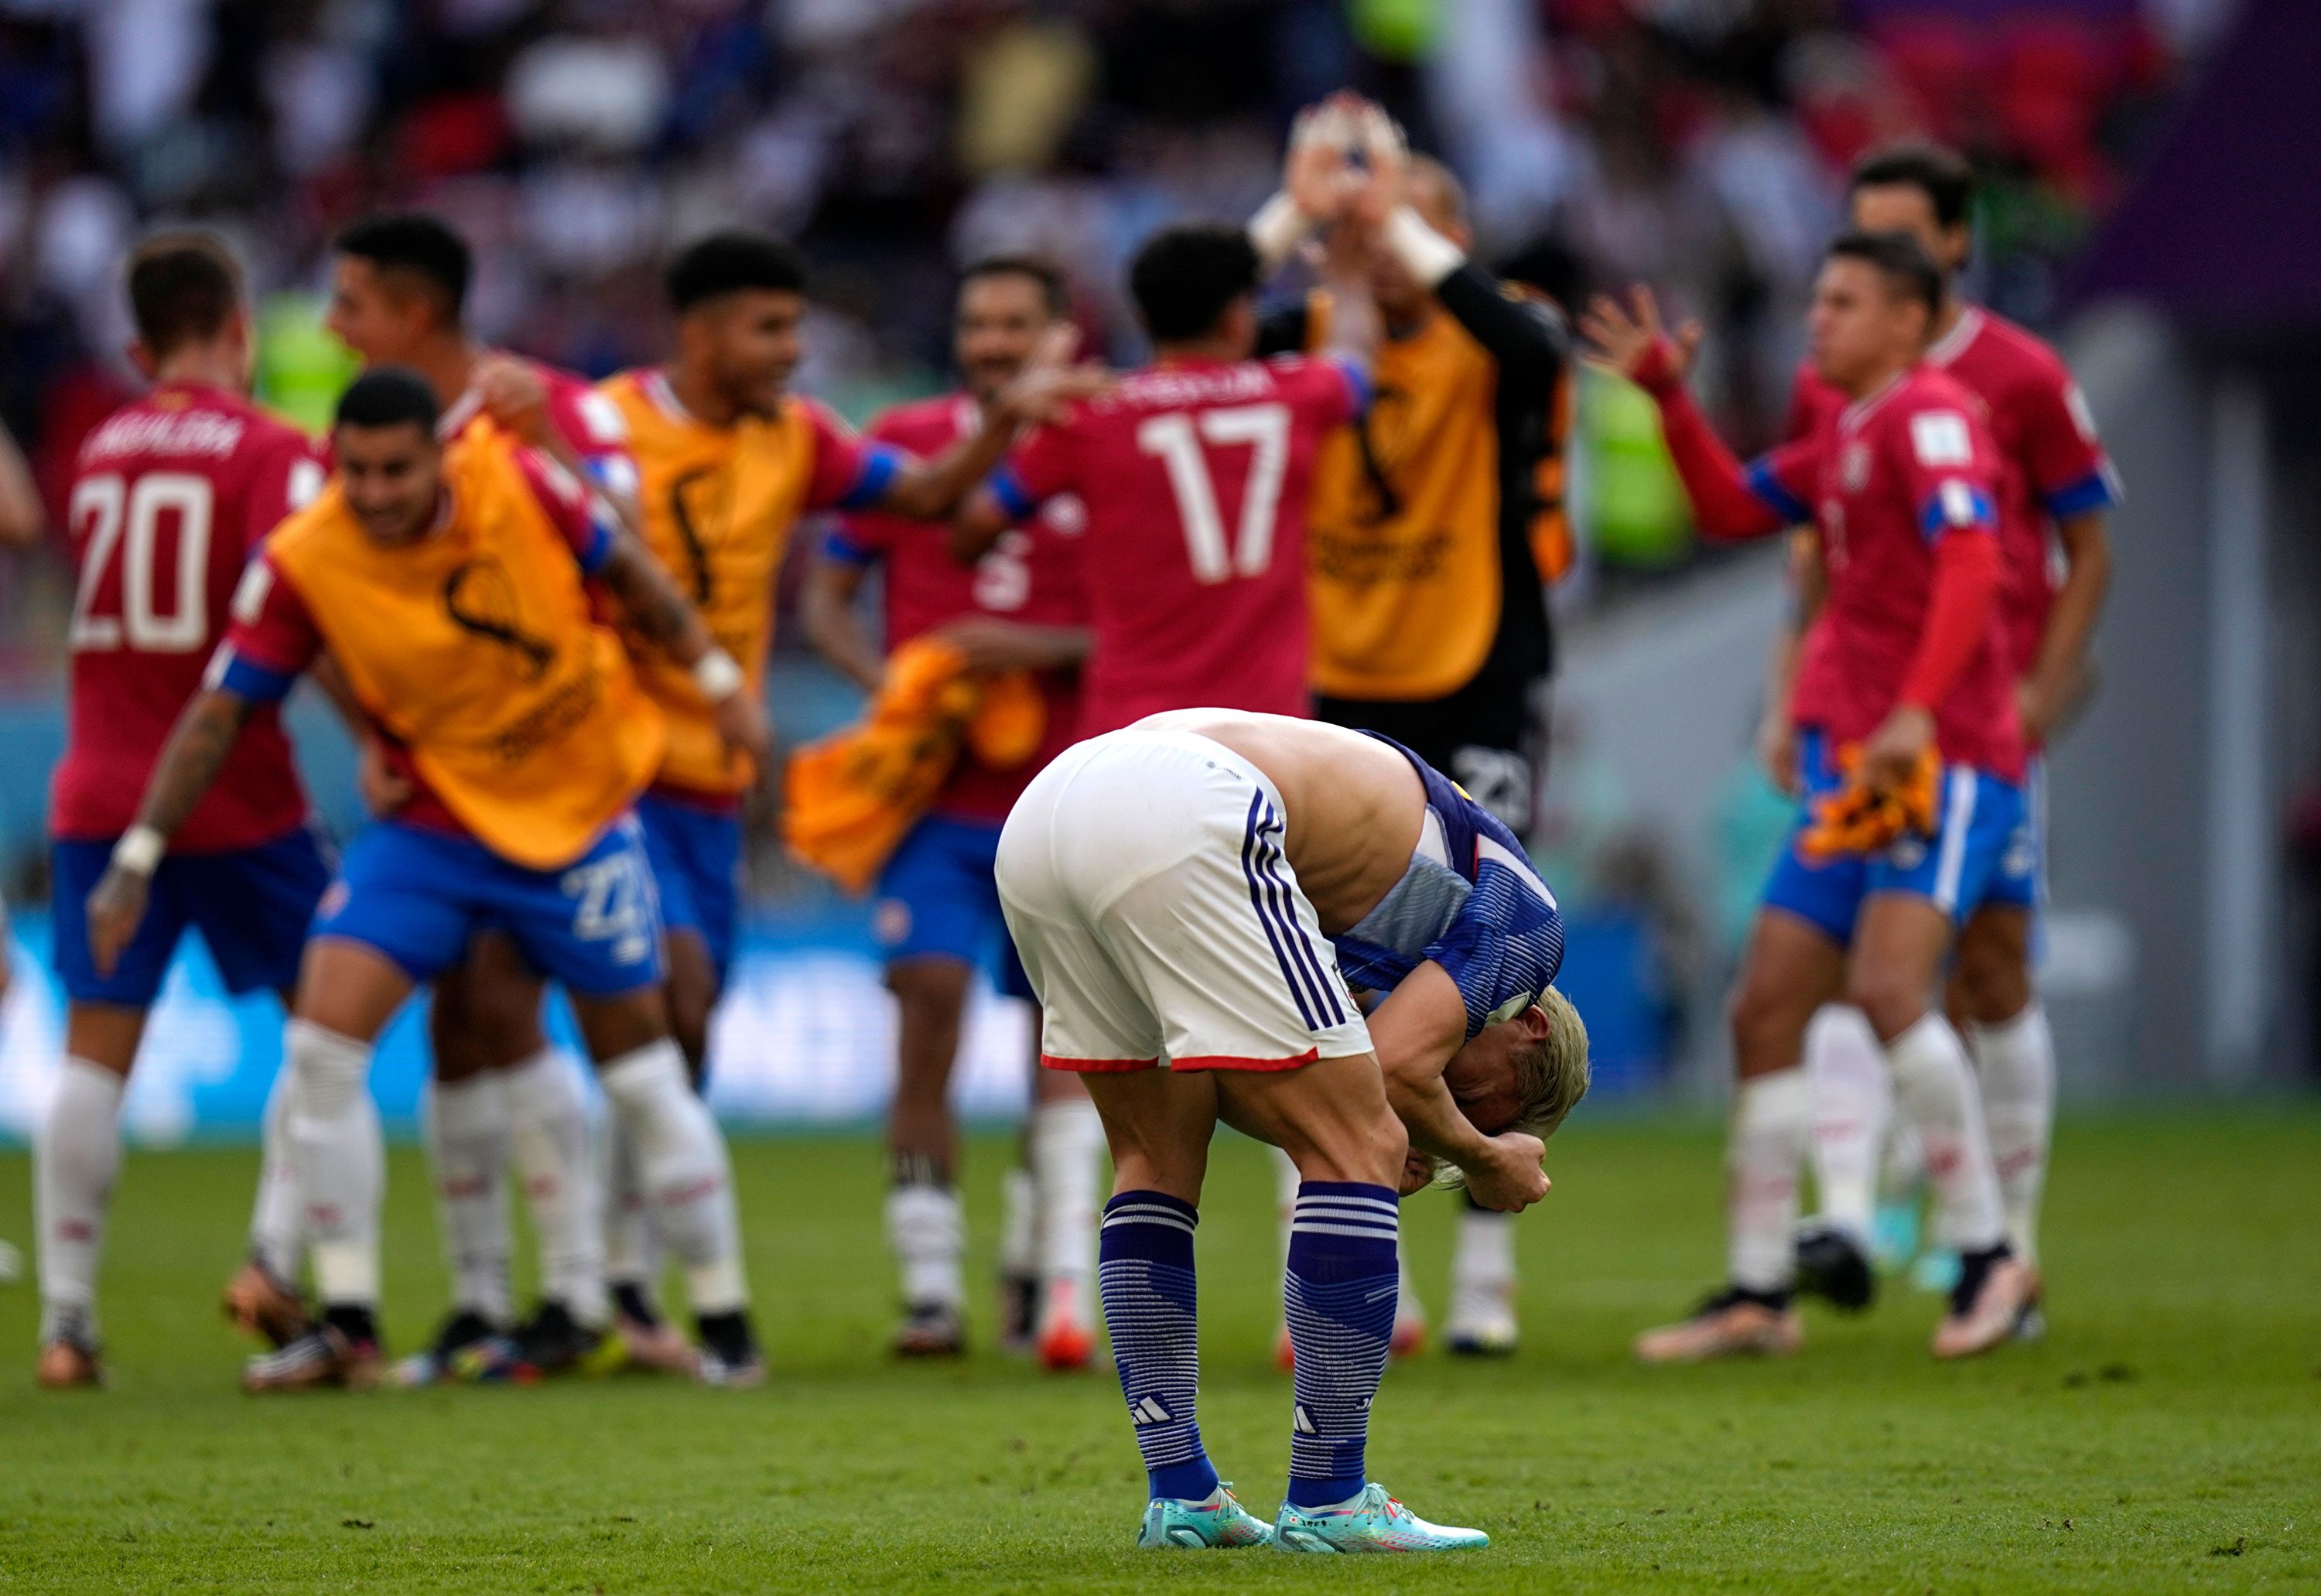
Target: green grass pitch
{"type": "Point", "coordinates": [2166, 1437]}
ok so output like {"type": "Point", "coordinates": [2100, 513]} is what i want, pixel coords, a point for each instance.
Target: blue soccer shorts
{"type": "Point", "coordinates": [696, 865]}
{"type": "Point", "coordinates": [937, 897]}
{"type": "Point", "coordinates": [417, 895]}
{"type": "Point", "coordinates": [1984, 851]}
{"type": "Point", "coordinates": [252, 908]}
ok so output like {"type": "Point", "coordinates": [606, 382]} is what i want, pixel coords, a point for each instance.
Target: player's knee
{"type": "Point", "coordinates": [1891, 1000]}
{"type": "Point", "coordinates": [1991, 980]}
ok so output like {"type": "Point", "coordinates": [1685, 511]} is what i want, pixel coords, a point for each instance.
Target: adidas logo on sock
{"type": "Point", "coordinates": [1304, 1423]}
{"type": "Point", "coordinates": [1147, 1410]}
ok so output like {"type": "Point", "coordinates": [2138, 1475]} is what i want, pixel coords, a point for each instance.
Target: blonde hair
{"type": "Point", "coordinates": [1551, 1078]}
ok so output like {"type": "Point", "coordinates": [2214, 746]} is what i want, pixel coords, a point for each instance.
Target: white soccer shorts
{"type": "Point", "coordinates": [1144, 881]}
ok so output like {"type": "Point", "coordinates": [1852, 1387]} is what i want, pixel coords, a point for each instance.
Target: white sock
{"type": "Point", "coordinates": [928, 1234]}
{"type": "Point", "coordinates": [1483, 1267]}
{"type": "Point", "coordinates": [1019, 1224]}
{"type": "Point", "coordinates": [1067, 1151]}
{"type": "Point", "coordinates": [548, 1130]}
{"type": "Point", "coordinates": [1935, 1089]}
{"type": "Point", "coordinates": [681, 1160]}
{"type": "Point", "coordinates": [632, 1247]}
{"type": "Point", "coordinates": [341, 1165]}
{"type": "Point", "coordinates": [75, 1159]}
{"type": "Point", "coordinates": [276, 1237]}
{"type": "Point", "coordinates": [1772, 1121]}
{"type": "Point", "coordinates": [1853, 1099]}
{"type": "Point", "coordinates": [2016, 1061]}
{"type": "Point", "coordinates": [466, 1125]}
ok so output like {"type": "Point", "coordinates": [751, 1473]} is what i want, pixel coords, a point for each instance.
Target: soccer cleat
{"type": "Point", "coordinates": [1894, 1236]}
{"type": "Point", "coordinates": [552, 1342]}
{"type": "Point", "coordinates": [729, 1357]}
{"type": "Point", "coordinates": [1066, 1342]}
{"type": "Point", "coordinates": [1984, 1308]}
{"type": "Point", "coordinates": [1936, 1271]}
{"type": "Point", "coordinates": [1726, 1325]}
{"type": "Point", "coordinates": [1368, 1521]}
{"type": "Point", "coordinates": [931, 1330]}
{"type": "Point", "coordinates": [323, 1356]}
{"type": "Point", "coordinates": [1219, 1523]}
{"type": "Point", "coordinates": [261, 1305]}
{"type": "Point", "coordinates": [449, 1356]}
{"type": "Point", "coordinates": [71, 1356]}
{"type": "Point", "coordinates": [657, 1348]}
{"type": "Point", "coordinates": [1019, 1313]}
{"type": "Point", "coordinates": [1832, 1265]}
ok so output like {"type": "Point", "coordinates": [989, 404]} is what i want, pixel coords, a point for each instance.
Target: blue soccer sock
{"type": "Point", "coordinates": [1144, 1271]}
{"type": "Point", "coordinates": [1339, 1294]}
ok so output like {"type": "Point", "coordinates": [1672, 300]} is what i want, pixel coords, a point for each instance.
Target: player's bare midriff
{"type": "Point", "coordinates": [1352, 806]}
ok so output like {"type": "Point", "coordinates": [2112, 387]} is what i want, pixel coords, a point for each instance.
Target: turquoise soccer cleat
{"type": "Point", "coordinates": [1371, 1521]}
{"type": "Point", "coordinates": [1219, 1522]}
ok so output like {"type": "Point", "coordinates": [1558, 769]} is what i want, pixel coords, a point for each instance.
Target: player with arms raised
{"type": "Point", "coordinates": [1020, 607]}
{"type": "Point", "coordinates": [2055, 485]}
{"type": "Point", "coordinates": [1911, 694]}
{"type": "Point", "coordinates": [169, 496]}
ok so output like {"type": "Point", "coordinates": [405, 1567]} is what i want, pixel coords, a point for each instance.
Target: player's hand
{"type": "Point", "coordinates": [514, 397]}
{"type": "Point", "coordinates": [1777, 751]}
{"type": "Point", "coordinates": [988, 642]}
{"type": "Point", "coordinates": [115, 908]}
{"type": "Point", "coordinates": [1317, 173]}
{"type": "Point", "coordinates": [1629, 339]}
{"type": "Point", "coordinates": [384, 789]}
{"type": "Point", "coordinates": [1384, 182]}
{"type": "Point", "coordinates": [741, 722]}
{"type": "Point", "coordinates": [1890, 759]}
{"type": "Point", "coordinates": [1048, 381]}
{"type": "Point", "coordinates": [1417, 1173]}
{"type": "Point", "coordinates": [1505, 1174]}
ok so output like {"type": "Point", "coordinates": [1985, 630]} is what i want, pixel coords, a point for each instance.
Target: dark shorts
{"type": "Point", "coordinates": [252, 908]}
{"type": "Point", "coordinates": [1488, 738]}
{"type": "Point", "coordinates": [938, 896]}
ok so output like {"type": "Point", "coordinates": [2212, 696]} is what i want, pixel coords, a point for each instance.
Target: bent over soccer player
{"type": "Point", "coordinates": [1909, 671]}
{"type": "Point", "coordinates": [448, 585]}
{"type": "Point", "coordinates": [1188, 889]}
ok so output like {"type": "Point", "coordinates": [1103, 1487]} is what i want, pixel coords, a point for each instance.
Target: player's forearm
{"type": "Point", "coordinates": [1019, 645]}
{"type": "Point", "coordinates": [977, 526]}
{"type": "Point", "coordinates": [327, 674]}
{"type": "Point", "coordinates": [1416, 1032]}
{"type": "Point", "coordinates": [652, 604]}
{"type": "Point", "coordinates": [20, 500]}
{"type": "Point", "coordinates": [826, 610]}
{"type": "Point", "coordinates": [197, 751]}
{"type": "Point", "coordinates": [2078, 606]}
{"type": "Point", "coordinates": [1722, 507]}
{"type": "Point", "coordinates": [1527, 339]}
{"type": "Point", "coordinates": [932, 490]}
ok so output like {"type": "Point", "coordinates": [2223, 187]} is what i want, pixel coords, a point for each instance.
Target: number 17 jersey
{"type": "Point", "coordinates": [1193, 476]}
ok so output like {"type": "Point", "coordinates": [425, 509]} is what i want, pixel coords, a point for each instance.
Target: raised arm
{"type": "Point", "coordinates": [932, 491]}
{"type": "Point", "coordinates": [205, 734]}
{"type": "Point", "coordinates": [1630, 341]}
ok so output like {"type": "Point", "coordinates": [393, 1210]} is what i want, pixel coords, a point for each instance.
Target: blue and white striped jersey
{"type": "Point", "coordinates": [1471, 901]}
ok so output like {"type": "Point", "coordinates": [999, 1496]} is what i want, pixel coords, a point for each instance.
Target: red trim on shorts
{"type": "Point", "coordinates": [1049, 1061]}
{"type": "Point", "coordinates": [1226, 1060]}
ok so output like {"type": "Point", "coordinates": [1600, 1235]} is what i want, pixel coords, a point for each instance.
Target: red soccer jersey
{"type": "Point", "coordinates": [586, 419]}
{"type": "Point", "coordinates": [169, 496]}
{"type": "Point", "coordinates": [1194, 478]}
{"type": "Point", "coordinates": [2052, 462]}
{"type": "Point", "coordinates": [1883, 479]}
{"type": "Point", "coordinates": [1033, 574]}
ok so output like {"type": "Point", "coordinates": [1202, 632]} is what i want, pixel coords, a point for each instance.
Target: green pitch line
{"type": "Point", "coordinates": [2167, 1435]}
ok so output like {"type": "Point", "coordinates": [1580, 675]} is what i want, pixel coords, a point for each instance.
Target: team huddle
{"type": "Point", "coordinates": [1206, 712]}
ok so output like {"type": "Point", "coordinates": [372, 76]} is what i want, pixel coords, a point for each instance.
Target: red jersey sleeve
{"type": "Point", "coordinates": [596, 430]}
{"type": "Point", "coordinates": [849, 472]}
{"type": "Point", "coordinates": [1949, 466]}
{"type": "Point", "coordinates": [571, 508]}
{"type": "Point", "coordinates": [2069, 469]}
{"type": "Point", "coordinates": [269, 639]}
{"type": "Point", "coordinates": [1325, 389]}
{"type": "Point", "coordinates": [286, 476]}
{"type": "Point", "coordinates": [1039, 467]}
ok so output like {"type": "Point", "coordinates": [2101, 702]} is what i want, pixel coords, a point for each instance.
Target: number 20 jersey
{"type": "Point", "coordinates": [169, 496]}
{"type": "Point", "coordinates": [1193, 476]}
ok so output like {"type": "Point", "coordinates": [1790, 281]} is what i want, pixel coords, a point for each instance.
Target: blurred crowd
{"type": "Point", "coordinates": [1694, 142]}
